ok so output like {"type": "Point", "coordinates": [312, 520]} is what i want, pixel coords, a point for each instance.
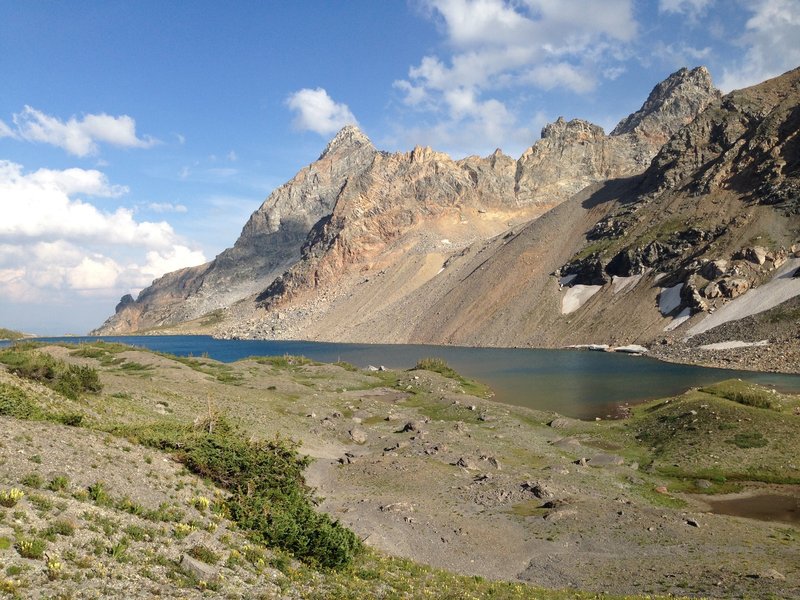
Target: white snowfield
{"type": "Point", "coordinates": [779, 289]}
{"type": "Point", "coordinates": [732, 345]}
{"type": "Point", "coordinates": [669, 299]}
{"type": "Point", "coordinates": [575, 296]}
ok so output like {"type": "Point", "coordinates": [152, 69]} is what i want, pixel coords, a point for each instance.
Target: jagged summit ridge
{"type": "Point", "coordinates": [349, 137]}
{"type": "Point", "coordinates": [683, 94]}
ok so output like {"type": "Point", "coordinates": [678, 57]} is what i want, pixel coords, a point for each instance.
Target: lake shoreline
{"type": "Point", "coordinates": [583, 385]}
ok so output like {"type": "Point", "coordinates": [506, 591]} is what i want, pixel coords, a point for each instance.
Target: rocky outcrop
{"type": "Point", "coordinates": [269, 243]}
{"type": "Point", "coordinates": [574, 154]}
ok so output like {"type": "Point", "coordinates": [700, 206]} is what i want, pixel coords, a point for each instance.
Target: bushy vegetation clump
{"type": "Point", "coordinates": [741, 392]}
{"type": "Point", "coordinates": [439, 365]}
{"type": "Point", "coordinates": [69, 380]}
{"type": "Point", "coordinates": [269, 497]}
{"type": "Point", "coordinates": [10, 334]}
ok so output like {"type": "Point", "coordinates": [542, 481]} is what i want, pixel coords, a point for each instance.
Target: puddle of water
{"type": "Point", "coordinates": [764, 507]}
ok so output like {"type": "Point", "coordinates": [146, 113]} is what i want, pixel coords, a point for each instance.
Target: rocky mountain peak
{"type": "Point", "coordinates": [569, 130]}
{"type": "Point", "coordinates": [350, 137]}
{"type": "Point", "coordinates": [672, 103]}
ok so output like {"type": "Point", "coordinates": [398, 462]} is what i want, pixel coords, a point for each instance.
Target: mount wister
{"type": "Point", "coordinates": [573, 242]}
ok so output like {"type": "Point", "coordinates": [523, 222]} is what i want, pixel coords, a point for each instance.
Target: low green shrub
{"type": "Point", "coordinates": [269, 497]}
{"type": "Point", "coordinates": [750, 439]}
{"type": "Point", "coordinates": [31, 548]}
{"type": "Point", "coordinates": [741, 392]}
{"type": "Point", "coordinates": [69, 380]}
{"type": "Point", "coordinates": [15, 402]}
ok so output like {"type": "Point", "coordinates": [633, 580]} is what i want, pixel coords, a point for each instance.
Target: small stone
{"type": "Point", "coordinates": [197, 569]}
{"type": "Point", "coordinates": [662, 489]}
{"type": "Point", "coordinates": [466, 463]}
{"type": "Point", "coordinates": [359, 436]}
{"type": "Point", "coordinates": [397, 507]}
{"type": "Point", "coordinates": [692, 522]}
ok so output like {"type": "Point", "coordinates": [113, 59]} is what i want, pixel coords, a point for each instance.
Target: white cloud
{"type": "Point", "coordinates": [95, 272]}
{"type": "Point", "coordinates": [53, 245]}
{"type": "Point", "coordinates": [771, 41]}
{"type": "Point", "coordinates": [232, 156]}
{"type": "Point", "coordinates": [167, 207]}
{"type": "Point", "coordinates": [316, 111]}
{"type": "Point", "coordinates": [69, 181]}
{"type": "Point", "coordinates": [159, 263]}
{"type": "Point", "coordinates": [78, 137]}
{"type": "Point", "coordinates": [5, 130]}
{"type": "Point", "coordinates": [565, 75]}
{"type": "Point", "coordinates": [498, 45]}
{"type": "Point", "coordinates": [690, 8]}
{"type": "Point", "coordinates": [681, 54]}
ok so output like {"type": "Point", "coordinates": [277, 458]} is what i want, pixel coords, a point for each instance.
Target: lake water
{"type": "Point", "coordinates": [575, 383]}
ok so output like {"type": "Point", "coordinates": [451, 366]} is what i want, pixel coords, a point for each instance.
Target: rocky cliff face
{"type": "Point", "coordinates": [359, 216]}
{"type": "Point", "coordinates": [710, 233]}
{"type": "Point", "coordinates": [270, 242]}
{"type": "Point", "coordinates": [399, 192]}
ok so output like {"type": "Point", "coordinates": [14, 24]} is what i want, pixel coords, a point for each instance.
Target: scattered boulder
{"type": "Point", "coordinates": [733, 287]}
{"type": "Point", "coordinates": [714, 269]}
{"type": "Point", "coordinates": [563, 423]}
{"type": "Point", "coordinates": [467, 463]}
{"type": "Point", "coordinates": [606, 460]}
{"type": "Point", "coordinates": [359, 436]}
{"type": "Point", "coordinates": [538, 489]}
{"type": "Point", "coordinates": [411, 426]}
{"type": "Point", "coordinates": [756, 254]}
{"type": "Point", "coordinates": [703, 484]}
{"type": "Point", "coordinates": [347, 459]}
{"type": "Point", "coordinates": [712, 291]}
{"type": "Point", "coordinates": [198, 569]}
{"type": "Point", "coordinates": [692, 523]}
{"type": "Point", "coordinates": [769, 574]}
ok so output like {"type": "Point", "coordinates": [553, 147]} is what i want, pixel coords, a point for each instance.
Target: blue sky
{"type": "Point", "coordinates": [137, 137]}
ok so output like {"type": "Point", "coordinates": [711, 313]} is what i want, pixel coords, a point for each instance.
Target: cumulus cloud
{"type": "Point", "coordinates": [167, 207]}
{"type": "Point", "coordinates": [690, 8]}
{"type": "Point", "coordinates": [497, 45]}
{"type": "Point", "coordinates": [53, 244]}
{"type": "Point", "coordinates": [770, 39]}
{"type": "Point", "coordinates": [317, 111]}
{"type": "Point", "coordinates": [5, 130]}
{"type": "Point", "coordinates": [79, 137]}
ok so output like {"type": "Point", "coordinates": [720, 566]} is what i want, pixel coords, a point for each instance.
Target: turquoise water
{"type": "Point", "coordinates": [575, 383]}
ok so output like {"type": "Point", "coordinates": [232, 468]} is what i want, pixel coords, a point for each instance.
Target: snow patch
{"type": "Point", "coordinates": [620, 283]}
{"type": "Point", "coordinates": [593, 347]}
{"type": "Point", "coordinates": [732, 345]}
{"type": "Point", "coordinates": [669, 299]}
{"type": "Point", "coordinates": [631, 349]}
{"type": "Point", "coordinates": [779, 289]}
{"type": "Point", "coordinates": [576, 296]}
{"type": "Point", "coordinates": [679, 320]}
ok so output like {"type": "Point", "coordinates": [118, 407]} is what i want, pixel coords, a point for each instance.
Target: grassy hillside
{"type": "Point", "coordinates": [10, 334]}
{"type": "Point", "coordinates": [177, 477]}
{"type": "Point", "coordinates": [239, 509]}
